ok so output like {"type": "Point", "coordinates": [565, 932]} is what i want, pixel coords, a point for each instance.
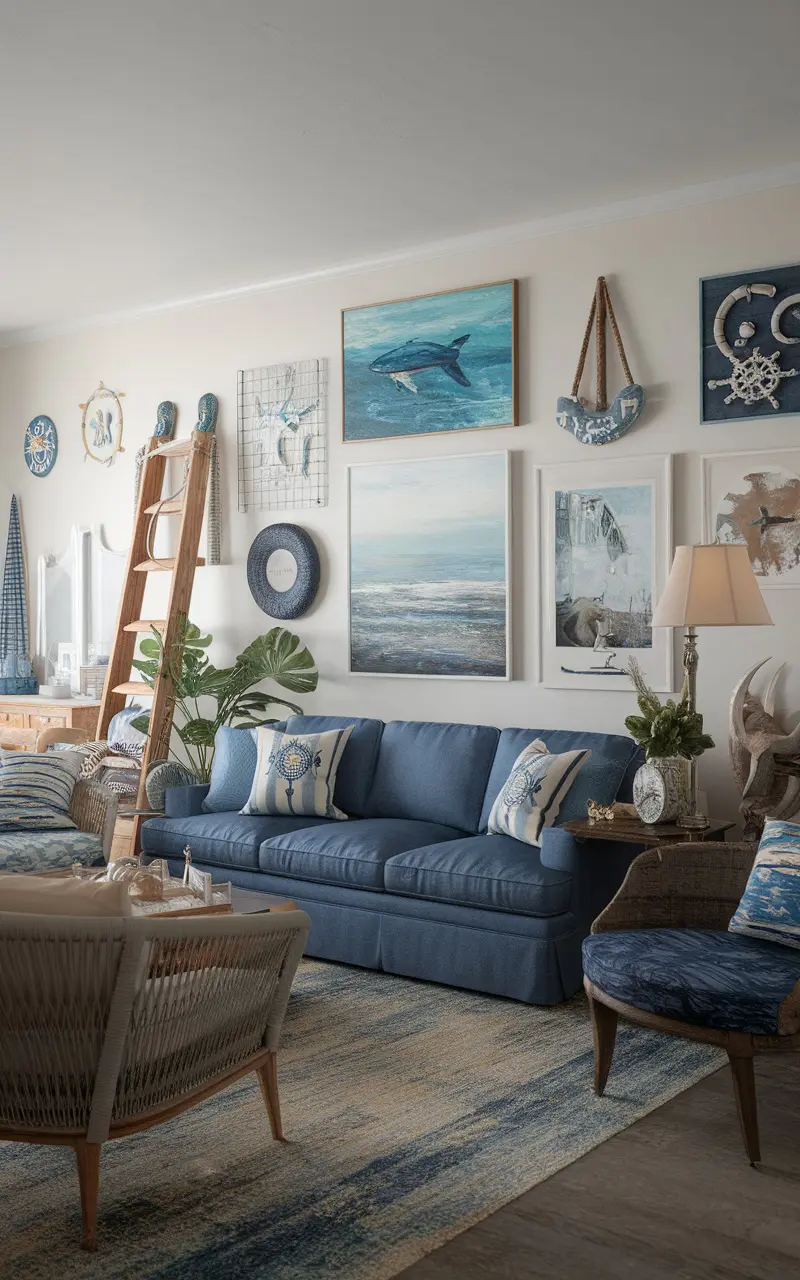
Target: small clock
{"type": "Point", "coordinates": [659, 791]}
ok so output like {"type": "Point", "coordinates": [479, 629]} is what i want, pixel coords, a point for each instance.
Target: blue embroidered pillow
{"type": "Point", "coordinates": [36, 789]}
{"type": "Point", "coordinates": [770, 905]}
{"type": "Point", "coordinates": [296, 773]}
{"type": "Point", "coordinates": [531, 796]}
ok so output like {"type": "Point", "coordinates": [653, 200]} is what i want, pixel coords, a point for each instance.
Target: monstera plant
{"type": "Point", "coordinates": [279, 655]}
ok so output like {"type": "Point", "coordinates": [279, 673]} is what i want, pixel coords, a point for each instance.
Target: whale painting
{"type": "Point", "coordinates": [441, 362]}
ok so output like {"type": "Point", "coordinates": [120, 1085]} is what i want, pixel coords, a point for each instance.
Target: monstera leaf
{"type": "Point", "coordinates": [280, 656]}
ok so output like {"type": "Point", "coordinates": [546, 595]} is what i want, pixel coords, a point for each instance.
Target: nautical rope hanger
{"type": "Point", "coordinates": [607, 422]}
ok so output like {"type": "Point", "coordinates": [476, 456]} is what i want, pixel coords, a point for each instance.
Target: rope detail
{"type": "Point", "coordinates": [601, 304]}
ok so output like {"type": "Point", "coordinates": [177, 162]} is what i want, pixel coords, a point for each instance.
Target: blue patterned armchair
{"type": "Point", "coordinates": [661, 955]}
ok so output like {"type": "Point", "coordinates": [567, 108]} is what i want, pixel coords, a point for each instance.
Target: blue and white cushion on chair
{"type": "Point", "coordinates": [296, 773]}
{"type": "Point", "coordinates": [32, 851]}
{"type": "Point", "coordinates": [36, 789]}
{"type": "Point", "coordinates": [531, 796]}
{"type": "Point", "coordinates": [770, 905]}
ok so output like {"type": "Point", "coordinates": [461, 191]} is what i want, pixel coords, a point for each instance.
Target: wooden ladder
{"type": "Point", "coordinates": [190, 507]}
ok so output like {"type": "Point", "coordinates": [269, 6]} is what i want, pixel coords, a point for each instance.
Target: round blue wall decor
{"type": "Point", "coordinates": [41, 445]}
{"type": "Point", "coordinates": [283, 570]}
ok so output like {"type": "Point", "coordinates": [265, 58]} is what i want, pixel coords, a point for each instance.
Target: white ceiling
{"type": "Point", "coordinates": [153, 150]}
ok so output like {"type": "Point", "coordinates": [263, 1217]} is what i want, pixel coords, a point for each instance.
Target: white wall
{"type": "Point", "coordinates": [652, 263]}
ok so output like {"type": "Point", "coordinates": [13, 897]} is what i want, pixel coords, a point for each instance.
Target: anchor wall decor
{"type": "Point", "coordinates": [607, 422]}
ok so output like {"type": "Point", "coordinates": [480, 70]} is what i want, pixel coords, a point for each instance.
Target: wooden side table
{"type": "Point", "coordinates": [633, 831]}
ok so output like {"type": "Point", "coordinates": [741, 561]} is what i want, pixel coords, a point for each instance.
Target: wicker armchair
{"type": "Point", "coordinates": [93, 809]}
{"type": "Point", "coordinates": [688, 976]}
{"type": "Point", "coordinates": [113, 1025]}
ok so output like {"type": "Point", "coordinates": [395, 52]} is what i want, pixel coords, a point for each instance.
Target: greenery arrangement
{"type": "Point", "coordinates": [279, 655]}
{"type": "Point", "coordinates": [669, 730]}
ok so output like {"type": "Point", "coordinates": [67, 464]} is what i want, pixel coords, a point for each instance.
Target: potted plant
{"type": "Point", "coordinates": [671, 735]}
{"type": "Point", "coordinates": [279, 655]}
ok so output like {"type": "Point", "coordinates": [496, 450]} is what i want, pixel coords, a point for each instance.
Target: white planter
{"type": "Point", "coordinates": [661, 789]}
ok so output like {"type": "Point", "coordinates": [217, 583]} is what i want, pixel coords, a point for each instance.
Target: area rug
{"type": "Point", "coordinates": [412, 1111]}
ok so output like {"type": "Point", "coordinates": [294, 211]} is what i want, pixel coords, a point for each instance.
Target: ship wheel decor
{"type": "Point", "coordinates": [101, 425]}
{"type": "Point", "coordinates": [606, 422]}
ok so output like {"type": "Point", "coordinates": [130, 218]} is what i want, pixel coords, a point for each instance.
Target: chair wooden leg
{"type": "Point", "coordinates": [268, 1079]}
{"type": "Point", "coordinates": [604, 1028]}
{"type": "Point", "coordinates": [744, 1087]}
{"type": "Point", "coordinates": [87, 1155]}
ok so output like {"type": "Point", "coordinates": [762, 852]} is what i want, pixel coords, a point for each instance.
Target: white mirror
{"type": "Point", "coordinates": [78, 595]}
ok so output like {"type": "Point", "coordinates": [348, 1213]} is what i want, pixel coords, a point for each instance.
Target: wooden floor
{"type": "Point", "coordinates": [672, 1196]}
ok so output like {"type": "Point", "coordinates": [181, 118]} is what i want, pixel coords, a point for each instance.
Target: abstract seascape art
{"type": "Point", "coordinates": [750, 325]}
{"type": "Point", "coordinates": [606, 547]}
{"type": "Point", "coordinates": [442, 362]}
{"type": "Point", "coordinates": [429, 567]}
{"type": "Point", "coordinates": [753, 499]}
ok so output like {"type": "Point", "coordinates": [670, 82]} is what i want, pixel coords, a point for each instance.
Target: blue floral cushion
{"type": "Point", "coordinates": [49, 850]}
{"type": "Point", "coordinates": [714, 979]}
{"type": "Point", "coordinates": [770, 905]}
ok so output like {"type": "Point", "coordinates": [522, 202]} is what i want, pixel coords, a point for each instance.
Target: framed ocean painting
{"type": "Point", "coordinates": [435, 363]}
{"type": "Point", "coordinates": [429, 567]}
{"type": "Point", "coordinates": [606, 546]}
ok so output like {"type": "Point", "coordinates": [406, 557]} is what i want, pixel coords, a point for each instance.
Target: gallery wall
{"type": "Point", "coordinates": [652, 264]}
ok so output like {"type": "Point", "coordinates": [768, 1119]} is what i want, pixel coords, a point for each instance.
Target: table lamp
{"type": "Point", "coordinates": [708, 586]}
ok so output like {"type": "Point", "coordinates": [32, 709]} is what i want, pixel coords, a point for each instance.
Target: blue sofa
{"type": "Point", "coordinates": [413, 884]}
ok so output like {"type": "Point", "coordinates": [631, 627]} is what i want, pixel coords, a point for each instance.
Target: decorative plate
{"type": "Point", "coordinates": [101, 424]}
{"type": "Point", "coordinates": [41, 445]}
{"type": "Point", "coordinates": [283, 570]}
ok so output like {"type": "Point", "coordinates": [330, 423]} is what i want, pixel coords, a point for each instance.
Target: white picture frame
{"type": "Point", "coordinates": [437, 509]}
{"type": "Point", "coordinates": [643, 511]}
{"type": "Point", "coordinates": [724, 480]}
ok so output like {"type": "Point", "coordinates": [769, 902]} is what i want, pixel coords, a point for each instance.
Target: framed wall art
{"type": "Point", "coordinates": [750, 338]}
{"type": "Point", "coordinates": [754, 499]}
{"type": "Point", "coordinates": [41, 445]}
{"type": "Point", "coordinates": [101, 424]}
{"type": "Point", "coordinates": [429, 573]}
{"type": "Point", "coordinates": [435, 363]}
{"type": "Point", "coordinates": [605, 543]}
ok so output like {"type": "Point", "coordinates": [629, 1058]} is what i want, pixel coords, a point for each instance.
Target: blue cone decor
{"type": "Point", "coordinates": [16, 673]}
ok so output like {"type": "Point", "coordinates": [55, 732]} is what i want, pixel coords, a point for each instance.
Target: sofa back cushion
{"type": "Point", "coordinates": [357, 765]}
{"type": "Point", "coordinates": [600, 778]}
{"type": "Point", "coordinates": [433, 772]}
{"type": "Point", "coordinates": [232, 770]}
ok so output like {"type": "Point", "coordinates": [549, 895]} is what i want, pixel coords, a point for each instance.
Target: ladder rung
{"type": "Point", "coordinates": [134, 686]}
{"type": "Point", "coordinates": [173, 449]}
{"type": "Point", "coordinates": [162, 566]}
{"type": "Point", "coordinates": [143, 624]}
{"type": "Point", "coordinates": [170, 507]}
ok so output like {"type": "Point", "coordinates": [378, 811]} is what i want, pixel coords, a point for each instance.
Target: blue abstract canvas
{"type": "Point", "coordinates": [429, 567]}
{"type": "Point", "coordinates": [444, 362]}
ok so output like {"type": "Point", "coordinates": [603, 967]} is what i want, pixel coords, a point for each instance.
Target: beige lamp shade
{"type": "Point", "coordinates": [712, 586]}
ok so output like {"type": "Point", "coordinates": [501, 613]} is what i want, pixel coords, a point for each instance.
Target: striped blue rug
{"type": "Point", "coordinates": [412, 1111]}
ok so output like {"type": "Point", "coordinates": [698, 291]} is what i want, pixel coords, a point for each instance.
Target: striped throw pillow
{"type": "Point", "coordinates": [36, 789]}
{"type": "Point", "coordinates": [531, 795]}
{"type": "Point", "coordinates": [770, 905]}
{"type": "Point", "coordinates": [296, 773]}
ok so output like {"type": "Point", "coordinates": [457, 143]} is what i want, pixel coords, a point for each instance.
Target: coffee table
{"type": "Point", "coordinates": [248, 902]}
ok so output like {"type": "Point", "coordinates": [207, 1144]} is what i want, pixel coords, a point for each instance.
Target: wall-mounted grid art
{"type": "Point", "coordinates": [282, 436]}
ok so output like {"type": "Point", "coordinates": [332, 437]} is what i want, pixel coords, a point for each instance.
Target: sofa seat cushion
{"type": "Point", "coordinates": [49, 850]}
{"type": "Point", "coordinates": [224, 839]}
{"type": "Point", "coordinates": [352, 853]}
{"type": "Point", "coordinates": [707, 977]}
{"type": "Point", "coordinates": [491, 871]}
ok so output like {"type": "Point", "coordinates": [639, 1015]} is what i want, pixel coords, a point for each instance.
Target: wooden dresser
{"type": "Point", "coordinates": [31, 711]}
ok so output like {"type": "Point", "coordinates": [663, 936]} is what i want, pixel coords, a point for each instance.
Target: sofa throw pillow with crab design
{"type": "Point", "coordinates": [296, 773]}
{"type": "Point", "coordinates": [532, 794]}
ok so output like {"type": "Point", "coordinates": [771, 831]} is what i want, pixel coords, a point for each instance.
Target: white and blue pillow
{"type": "Point", "coordinates": [36, 789]}
{"type": "Point", "coordinates": [296, 773]}
{"type": "Point", "coordinates": [531, 795]}
{"type": "Point", "coordinates": [770, 905]}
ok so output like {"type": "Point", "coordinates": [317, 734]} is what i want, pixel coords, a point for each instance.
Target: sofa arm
{"type": "Point", "coordinates": [680, 886]}
{"type": "Point", "coordinates": [94, 809]}
{"type": "Point", "coordinates": [185, 802]}
{"type": "Point", "coordinates": [597, 869]}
